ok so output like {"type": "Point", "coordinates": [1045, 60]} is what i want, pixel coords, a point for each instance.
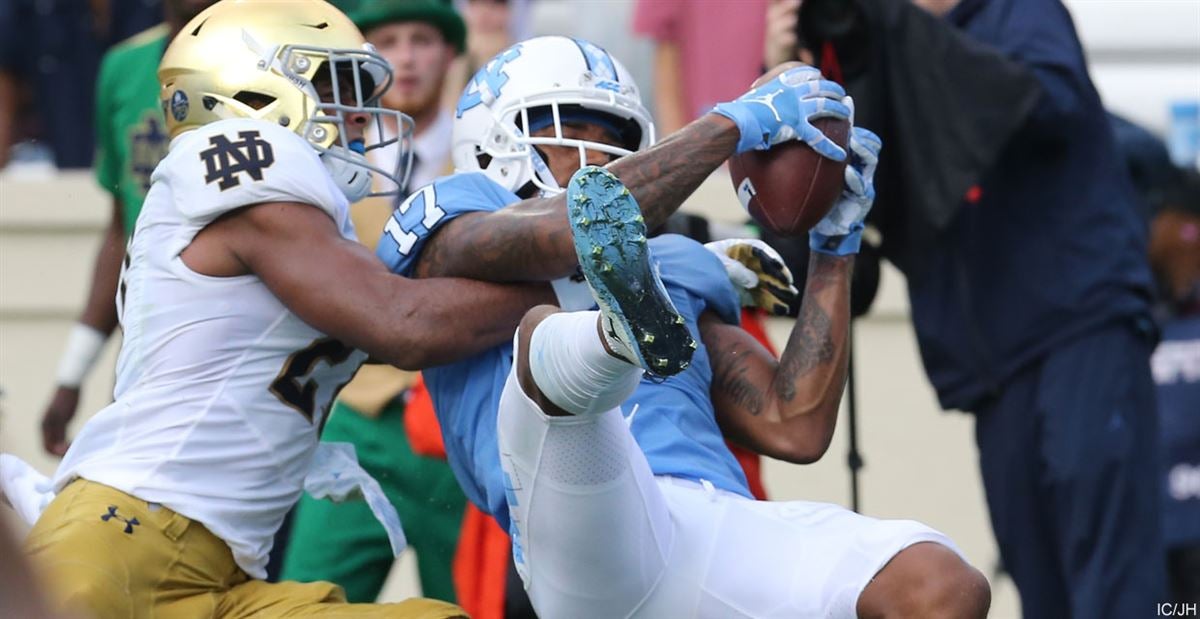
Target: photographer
{"type": "Point", "coordinates": [1002, 199]}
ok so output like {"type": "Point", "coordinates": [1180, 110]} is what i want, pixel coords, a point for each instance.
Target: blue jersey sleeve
{"type": "Point", "coordinates": [433, 206]}
{"type": "Point", "coordinates": [686, 264]}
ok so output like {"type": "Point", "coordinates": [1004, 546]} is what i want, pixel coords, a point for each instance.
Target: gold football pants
{"type": "Point", "coordinates": [107, 554]}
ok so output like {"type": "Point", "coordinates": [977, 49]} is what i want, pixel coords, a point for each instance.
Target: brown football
{"type": "Point", "coordinates": [790, 187]}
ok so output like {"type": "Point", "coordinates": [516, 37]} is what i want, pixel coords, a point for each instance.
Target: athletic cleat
{"type": "Point", "coordinates": [640, 323]}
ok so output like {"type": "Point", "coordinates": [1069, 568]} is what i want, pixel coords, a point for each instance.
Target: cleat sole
{"type": "Point", "coordinates": [614, 255]}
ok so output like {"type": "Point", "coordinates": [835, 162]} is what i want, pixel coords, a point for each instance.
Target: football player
{"type": "Point", "coordinates": [245, 303]}
{"type": "Point", "coordinates": [528, 119]}
{"type": "Point", "coordinates": [594, 533]}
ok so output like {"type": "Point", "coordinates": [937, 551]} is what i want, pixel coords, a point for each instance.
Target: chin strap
{"type": "Point", "coordinates": [349, 171]}
{"type": "Point", "coordinates": [543, 177]}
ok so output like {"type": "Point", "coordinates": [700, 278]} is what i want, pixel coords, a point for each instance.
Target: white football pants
{"type": "Point", "coordinates": [596, 534]}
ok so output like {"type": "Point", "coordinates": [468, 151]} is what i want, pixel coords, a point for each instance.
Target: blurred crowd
{"type": "Point", "coordinates": [1051, 250]}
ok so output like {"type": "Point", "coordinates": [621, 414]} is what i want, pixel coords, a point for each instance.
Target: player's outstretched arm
{"type": "Point", "coordinates": [340, 288]}
{"type": "Point", "coordinates": [786, 409]}
{"type": "Point", "coordinates": [531, 240]}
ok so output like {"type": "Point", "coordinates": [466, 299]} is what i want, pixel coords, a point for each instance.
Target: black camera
{"type": "Point", "coordinates": [840, 27]}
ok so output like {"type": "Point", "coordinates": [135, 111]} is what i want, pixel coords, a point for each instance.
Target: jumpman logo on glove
{"type": "Point", "coordinates": [783, 109]}
{"type": "Point", "coordinates": [767, 99]}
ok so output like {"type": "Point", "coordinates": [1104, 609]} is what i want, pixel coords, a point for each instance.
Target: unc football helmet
{"type": "Point", "coordinates": [537, 83]}
{"type": "Point", "coordinates": [268, 59]}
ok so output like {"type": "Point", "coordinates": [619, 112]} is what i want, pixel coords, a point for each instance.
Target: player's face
{"type": "Point", "coordinates": [419, 56]}
{"type": "Point", "coordinates": [355, 123]}
{"type": "Point", "coordinates": [564, 160]}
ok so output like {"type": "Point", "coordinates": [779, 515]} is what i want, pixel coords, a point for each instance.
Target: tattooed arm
{"type": "Point", "coordinates": [531, 240]}
{"type": "Point", "coordinates": [786, 409]}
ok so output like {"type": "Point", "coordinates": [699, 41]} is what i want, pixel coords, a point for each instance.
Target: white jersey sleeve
{"type": "Point", "coordinates": [234, 163]}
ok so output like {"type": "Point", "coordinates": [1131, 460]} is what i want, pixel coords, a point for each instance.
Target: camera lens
{"type": "Point", "coordinates": [831, 19]}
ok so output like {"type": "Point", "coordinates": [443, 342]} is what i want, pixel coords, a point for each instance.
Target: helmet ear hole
{"type": "Point", "coordinates": [484, 160]}
{"type": "Point", "coordinates": [256, 100]}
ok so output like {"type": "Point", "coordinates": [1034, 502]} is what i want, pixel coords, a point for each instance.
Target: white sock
{"type": "Point", "coordinates": [572, 368]}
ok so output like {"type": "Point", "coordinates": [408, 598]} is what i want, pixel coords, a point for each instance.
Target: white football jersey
{"type": "Point", "coordinates": [221, 391]}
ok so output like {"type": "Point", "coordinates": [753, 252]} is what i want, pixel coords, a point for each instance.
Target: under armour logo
{"type": "Point", "coordinates": [112, 514]}
{"type": "Point", "coordinates": [225, 160]}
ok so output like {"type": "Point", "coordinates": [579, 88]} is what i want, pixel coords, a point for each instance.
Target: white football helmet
{"type": "Point", "coordinates": [534, 84]}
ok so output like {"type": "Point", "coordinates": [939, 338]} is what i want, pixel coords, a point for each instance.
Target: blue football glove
{"type": "Point", "coordinates": [782, 110]}
{"type": "Point", "coordinates": [840, 231]}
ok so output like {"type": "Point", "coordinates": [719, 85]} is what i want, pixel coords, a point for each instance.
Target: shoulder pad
{"type": "Point", "coordinates": [234, 163]}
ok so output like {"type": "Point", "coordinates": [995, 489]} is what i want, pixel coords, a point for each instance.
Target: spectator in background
{"type": "Point", "coordinates": [492, 25]}
{"type": "Point", "coordinates": [1175, 256]}
{"type": "Point", "coordinates": [10, 84]}
{"type": "Point", "coordinates": [343, 542]}
{"type": "Point", "coordinates": [1149, 164]}
{"type": "Point", "coordinates": [131, 138]}
{"type": "Point", "coordinates": [347, 6]}
{"type": "Point", "coordinates": [782, 43]}
{"type": "Point", "coordinates": [1025, 253]}
{"type": "Point", "coordinates": [705, 53]}
{"type": "Point", "coordinates": [49, 55]}
{"type": "Point", "coordinates": [420, 38]}
{"type": "Point", "coordinates": [1170, 201]}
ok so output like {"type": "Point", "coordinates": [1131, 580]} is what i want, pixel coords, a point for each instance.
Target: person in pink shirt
{"type": "Point", "coordinates": [706, 52]}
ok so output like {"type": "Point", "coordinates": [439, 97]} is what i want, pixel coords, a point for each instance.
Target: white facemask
{"type": "Point", "coordinates": [349, 171]}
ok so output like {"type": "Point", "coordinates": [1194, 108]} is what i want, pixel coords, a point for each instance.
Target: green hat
{"type": "Point", "coordinates": [439, 13]}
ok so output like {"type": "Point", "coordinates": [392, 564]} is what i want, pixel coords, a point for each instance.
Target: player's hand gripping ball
{"type": "Point", "coordinates": [791, 186]}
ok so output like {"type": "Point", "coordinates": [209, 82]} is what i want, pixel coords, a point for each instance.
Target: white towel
{"type": "Point", "coordinates": [336, 474]}
{"type": "Point", "coordinates": [28, 491]}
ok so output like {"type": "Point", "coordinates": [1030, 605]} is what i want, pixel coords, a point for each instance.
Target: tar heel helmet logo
{"type": "Point", "coordinates": [488, 81]}
{"type": "Point", "coordinates": [602, 71]}
{"type": "Point", "coordinates": [179, 105]}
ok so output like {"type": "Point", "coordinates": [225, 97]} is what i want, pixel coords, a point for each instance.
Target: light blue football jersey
{"type": "Point", "coordinates": [674, 421]}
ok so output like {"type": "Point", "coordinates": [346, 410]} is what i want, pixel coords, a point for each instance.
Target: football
{"type": "Point", "coordinates": [790, 187]}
